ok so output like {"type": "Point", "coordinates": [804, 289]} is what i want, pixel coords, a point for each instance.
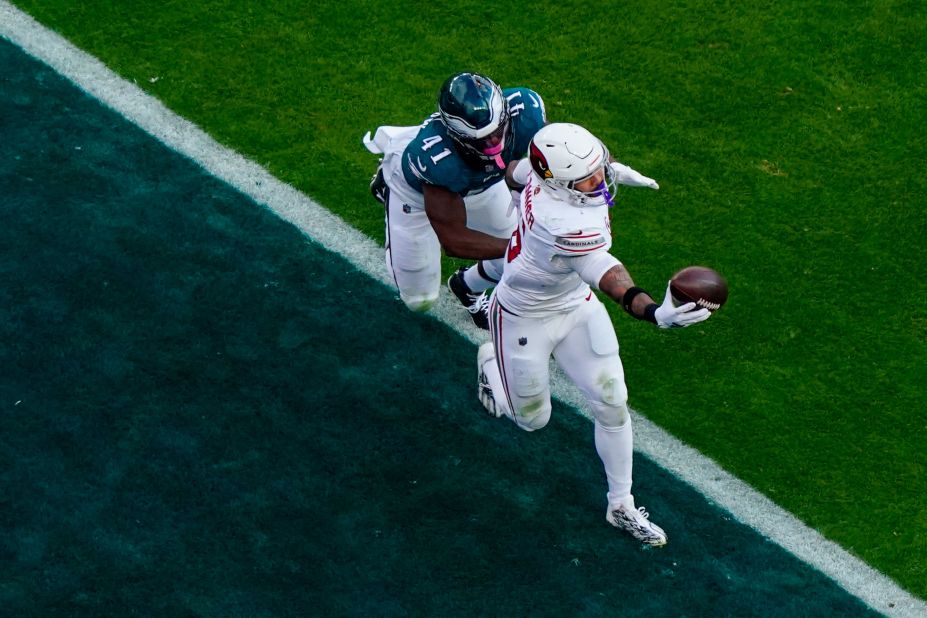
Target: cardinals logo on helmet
{"type": "Point", "coordinates": [539, 162]}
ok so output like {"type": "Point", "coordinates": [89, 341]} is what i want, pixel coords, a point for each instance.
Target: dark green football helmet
{"type": "Point", "coordinates": [476, 116]}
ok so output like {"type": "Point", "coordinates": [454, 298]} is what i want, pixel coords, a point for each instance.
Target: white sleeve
{"type": "Point", "coordinates": [631, 177]}
{"type": "Point", "coordinates": [389, 139]}
{"type": "Point", "coordinates": [591, 267]}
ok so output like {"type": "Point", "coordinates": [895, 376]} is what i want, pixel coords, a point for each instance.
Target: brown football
{"type": "Point", "coordinates": [700, 285]}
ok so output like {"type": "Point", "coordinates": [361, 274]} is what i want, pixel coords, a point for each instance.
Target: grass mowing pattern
{"type": "Point", "coordinates": [783, 146]}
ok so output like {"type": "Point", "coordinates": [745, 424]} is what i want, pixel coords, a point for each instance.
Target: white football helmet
{"type": "Point", "coordinates": [563, 155]}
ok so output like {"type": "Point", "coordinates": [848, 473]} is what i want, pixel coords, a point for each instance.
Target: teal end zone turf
{"type": "Point", "coordinates": [202, 413]}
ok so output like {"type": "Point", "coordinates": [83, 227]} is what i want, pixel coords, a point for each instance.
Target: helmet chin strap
{"type": "Point", "coordinates": [496, 153]}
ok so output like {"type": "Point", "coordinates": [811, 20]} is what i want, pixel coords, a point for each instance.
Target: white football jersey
{"type": "Point", "coordinates": [553, 256]}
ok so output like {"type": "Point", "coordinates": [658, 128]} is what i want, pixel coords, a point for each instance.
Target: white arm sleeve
{"type": "Point", "coordinates": [593, 266]}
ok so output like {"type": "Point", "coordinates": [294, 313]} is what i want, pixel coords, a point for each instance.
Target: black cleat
{"type": "Point", "coordinates": [378, 187]}
{"type": "Point", "coordinates": [476, 304]}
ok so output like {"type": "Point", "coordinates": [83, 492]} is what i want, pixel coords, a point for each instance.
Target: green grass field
{"type": "Point", "coordinates": [787, 142]}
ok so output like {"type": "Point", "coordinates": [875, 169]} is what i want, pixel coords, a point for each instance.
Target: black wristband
{"type": "Point", "coordinates": [650, 313]}
{"type": "Point", "coordinates": [629, 295]}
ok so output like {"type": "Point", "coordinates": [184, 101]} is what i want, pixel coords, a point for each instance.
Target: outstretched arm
{"type": "Point", "coordinates": [631, 177]}
{"type": "Point", "coordinates": [616, 282]}
{"type": "Point", "coordinates": [448, 216]}
{"type": "Point", "coordinates": [618, 285]}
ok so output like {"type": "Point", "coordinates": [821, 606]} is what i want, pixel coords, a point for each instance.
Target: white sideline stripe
{"type": "Point", "coordinates": [742, 501]}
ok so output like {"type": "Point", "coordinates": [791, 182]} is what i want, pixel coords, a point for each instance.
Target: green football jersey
{"type": "Point", "coordinates": [431, 158]}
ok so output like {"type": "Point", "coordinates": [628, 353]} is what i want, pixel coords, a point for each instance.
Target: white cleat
{"type": "Point", "coordinates": [636, 522]}
{"type": "Point", "coordinates": [486, 354]}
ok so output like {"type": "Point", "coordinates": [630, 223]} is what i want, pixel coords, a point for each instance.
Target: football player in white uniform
{"type": "Point", "coordinates": [544, 305]}
{"type": "Point", "coordinates": [441, 183]}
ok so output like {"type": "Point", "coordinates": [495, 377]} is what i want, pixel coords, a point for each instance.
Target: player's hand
{"type": "Point", "coordinates": [632, 178]}
{"type": "Point", "coordinates": [669, 316]}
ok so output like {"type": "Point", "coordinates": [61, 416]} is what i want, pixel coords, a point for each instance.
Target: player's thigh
{"type": "Point", "coordinates": [413, 254]}
{"type": "Point", "coordinates": [588, 354]}
{"type": "Point", "coordinates": [488, 212]}
{"type": "Point", "coordinates": [523, 355]}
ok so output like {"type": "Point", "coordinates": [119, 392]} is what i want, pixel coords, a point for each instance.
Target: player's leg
{"type": "Point", "coordinates": [470, 283]}
{"type": "Point", "coordinates": [483, 275]}
{"type": "Point", "coordinates": [487, 212]}
{"type": "Point", "coordinates": [413, 253]}
{"type": "Point", "coordinates": [474, 299]}
{"type": "Point", "coordinates": [515, 369]}
{"type": "Point", "coordinates": [390, 142]}
{"type": "Point", "coordinates": [589, 356]}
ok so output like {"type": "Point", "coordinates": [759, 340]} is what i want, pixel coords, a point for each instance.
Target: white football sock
{"type": "Point", "coordinates": [475, 280]}
{"type": "Point", "coordinates": [616, 450]}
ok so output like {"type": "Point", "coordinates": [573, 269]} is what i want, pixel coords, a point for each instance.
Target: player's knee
{"type": "Point", "coordinates": [533, 415]}
{"type": "Point", "coordinates": [419, 303]}
{"type": "Point", "coordinates": [612, 417]}
{"type": "Point", "coordinates": [612, 391]}
{"type": "Point", "coordinates": [612, 406]}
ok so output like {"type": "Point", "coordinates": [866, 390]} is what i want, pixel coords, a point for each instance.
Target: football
{"type": "Point", "coordinates": [700, 285]}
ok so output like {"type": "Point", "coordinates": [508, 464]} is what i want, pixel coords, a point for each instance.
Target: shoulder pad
{"type": "Point", "coordinates": [525, 101]}
{"type": "Point", "coordinates": [574, 230]}
{"type": "Point", "coordinates": [528, 116]}
{"type": "Point", "coordinates": [430, 158]}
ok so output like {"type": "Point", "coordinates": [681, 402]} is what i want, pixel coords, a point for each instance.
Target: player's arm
{"type": "Point", "coordinates": [448, 216]}
{"type": "Point", "coordinates": [619, 286]}
{"type": "Point", "coordinates": [516, 174]}
{"type": "Point", "coordinates": [590, 259]}
{"type": "Point", "coordinates": [617, 282]}
{"type": "Point", "coordinates": [630, 177]}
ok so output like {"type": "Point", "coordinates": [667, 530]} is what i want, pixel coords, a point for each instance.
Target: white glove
{"type": "Point", "coordinates": [668, 315]}
{"type": "Point", "coordinates": [632, 178]}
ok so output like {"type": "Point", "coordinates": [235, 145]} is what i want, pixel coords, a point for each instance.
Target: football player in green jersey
{"type": "Point", "coordinates": [442, 184]}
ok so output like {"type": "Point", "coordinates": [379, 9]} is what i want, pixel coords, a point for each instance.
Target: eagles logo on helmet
{"type": "Point", "coordinates": [474, 111]}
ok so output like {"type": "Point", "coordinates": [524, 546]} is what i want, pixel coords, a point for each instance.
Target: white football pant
{"type": "Point", "coordinates": [584, 344]}
{"type": "Point", "coordinates": [413, 253]}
